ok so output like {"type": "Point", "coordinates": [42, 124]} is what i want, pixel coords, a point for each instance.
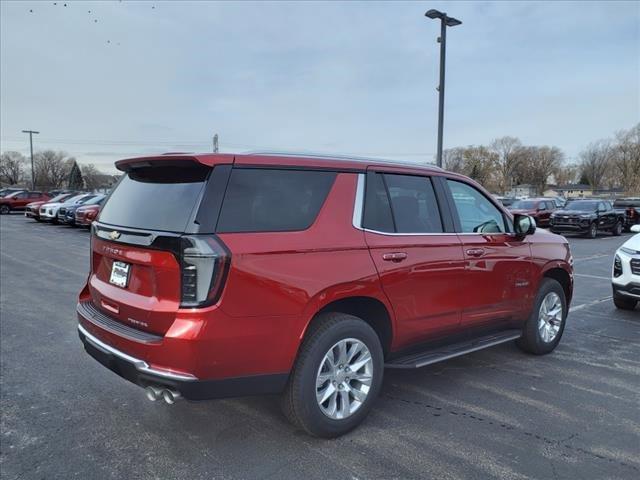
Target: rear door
{"type": "Point", "coordinates": [418, 256]}
{"type": "Point", "coordinates": [497, 283]}
{"type": "Point", "coordinates": [136, 244]}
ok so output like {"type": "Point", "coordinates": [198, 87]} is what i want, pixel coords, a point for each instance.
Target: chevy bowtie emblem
{"type": "Point", "coordinates": [114, 235]}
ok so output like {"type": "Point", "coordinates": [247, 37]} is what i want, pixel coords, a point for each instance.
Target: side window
{"type": "Point", "coordinates": [377, 210]}
{"type": "Point", "coordinates": [477, 214]}
{"type": "Point", "coordinates": [22, 195]}
{"type": "Point", "coordinates": [601, 207]}
{"type": "Point", "coordinates": [542, 206]}
{"type": "Point", "coordinates": [265, 200]}
{"type": "Point", "coordinates": [413, 203]}
{"type": "Point", "coordinates": [34, 194]}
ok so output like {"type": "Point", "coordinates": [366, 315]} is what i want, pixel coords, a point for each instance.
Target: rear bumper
{"type": "Point", "coordinates": [186, 358]}
{"type": "Point", "coordinates": [139, 372]}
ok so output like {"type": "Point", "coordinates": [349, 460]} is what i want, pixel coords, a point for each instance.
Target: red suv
{"type": "Point", "coordinates": [538, 208]}
{"type": "Point", "coordinates": [226, 275]}
{"type": "Point", "coordinates": [19, 200]}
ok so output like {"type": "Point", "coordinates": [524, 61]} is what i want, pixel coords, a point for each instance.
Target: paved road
{"type": "Point", "coordinates": [493, 414]}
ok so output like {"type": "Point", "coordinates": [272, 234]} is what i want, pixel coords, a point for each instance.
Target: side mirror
{"type": "Point", "coordinates": [635, 228]}
{"type": "Point", "coordinates": [523, 225]}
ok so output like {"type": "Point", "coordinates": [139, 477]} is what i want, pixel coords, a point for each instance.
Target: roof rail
{"type": "Point", "coordinates": [328, 156]}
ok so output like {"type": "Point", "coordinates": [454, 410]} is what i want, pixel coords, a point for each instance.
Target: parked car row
{"type": "Point", "coordinates": [75, 209]}
{"type": "Point", "coordinates": [584, 217]}
{"type": "Point", "coordinates": [67, 207]}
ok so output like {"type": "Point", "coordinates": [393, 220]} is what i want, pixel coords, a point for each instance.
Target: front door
{"type": "Point", "coordinates": [419, 263]}
{"type": "Point", "coordinates": [497, 283]}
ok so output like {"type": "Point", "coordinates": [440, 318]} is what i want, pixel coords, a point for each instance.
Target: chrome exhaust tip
{"type": "Point", "coordinates": [170, 396]}
{"type": "Point", "coordinates": [153, 393]}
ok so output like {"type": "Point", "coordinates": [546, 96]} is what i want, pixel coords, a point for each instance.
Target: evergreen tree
{"type": "Point", "coordinates": [75, 177]}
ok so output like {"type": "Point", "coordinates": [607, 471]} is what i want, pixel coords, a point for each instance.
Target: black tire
{"type": "Point", "coordinates": [5, 209]}
{"type": "Point", "coordinates": [624, 303]}
{"type": "Point", "coordinates": [593, 231]}
{"type": "Point", "coordinates": [299, 402]}
{"type": "Point", "coordinates": [617, 230]}
{"type": "Point", "coordinates": [531, 340]}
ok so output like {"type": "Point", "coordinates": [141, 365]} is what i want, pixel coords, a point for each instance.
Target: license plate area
{"type": "Point", "coordinates": [120, 274]}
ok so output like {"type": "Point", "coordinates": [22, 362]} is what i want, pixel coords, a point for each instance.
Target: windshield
{"type": "Point", "coordinates": [60, 198]}
{"type": "Point", "coordinates": [524, 204]}
{"type": "Point", "coordinates": [94, 200]}
{"type": "Point", "coordinates": [582, 206]}
{"type": "Point", "coordinates": [85, 199]}
{"type": "Point", "coordinates": [156, 198]}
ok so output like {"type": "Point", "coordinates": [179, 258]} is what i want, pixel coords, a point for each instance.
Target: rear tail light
{"type": "Point", "coordinates": [204, 263]}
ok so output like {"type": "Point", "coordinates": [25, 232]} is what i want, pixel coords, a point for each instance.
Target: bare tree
{"type": "Point", "coordinates": [536, 164]}
{"type": "Point", "coordinates": [453, 159]}
{"type": "Point", "coordinates": [92, 176]}
{"type": "Point", "coordinates": [567, 174]}
{"type": "Point", "coordinates": [52, 168]}
{"type": "Point", "coordinates": [12, 167]}
{"type": "Point", "coordinates": [626, 159]}
{"type": "Point", "coordinates": [506, 149]}
{"type": "Point", "coordinates": [595, 161]}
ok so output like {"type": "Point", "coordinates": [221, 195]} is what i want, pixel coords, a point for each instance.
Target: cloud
{"type": "Point", "coordinates": [349, 77]}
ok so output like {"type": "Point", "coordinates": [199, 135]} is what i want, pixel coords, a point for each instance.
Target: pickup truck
{"type": "Point", "coordinates": [587, 217]}
{"type": "Point", "coordinates": [630, 209]}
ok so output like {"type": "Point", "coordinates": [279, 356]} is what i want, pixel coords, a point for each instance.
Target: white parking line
{"type": "Point", "coordinates": [590, 276]}
{"type": "Point", "coordinates": [585, 305]}
{"type": "Point", "coordinates": [592, 257]}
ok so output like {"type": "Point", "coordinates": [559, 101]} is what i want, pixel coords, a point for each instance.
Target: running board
{"type": "Point", "coordinates": [439, 354]}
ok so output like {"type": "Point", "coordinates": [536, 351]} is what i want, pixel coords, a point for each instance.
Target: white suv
{"type": "Point", "coordinates": [626, 273]}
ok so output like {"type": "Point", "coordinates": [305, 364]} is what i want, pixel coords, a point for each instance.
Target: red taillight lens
{"type": "Point", "coordinates": [204, 263]}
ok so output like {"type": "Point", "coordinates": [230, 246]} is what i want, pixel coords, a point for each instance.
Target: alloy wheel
{"type": "Point", "coordinates": [550, 317]}
{"type": "Point", "coordinates": [344, 378]}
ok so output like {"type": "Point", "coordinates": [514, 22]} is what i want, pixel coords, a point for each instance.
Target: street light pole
{"type": "Point", "coordinates": [445, 21]}
{"type": "Point", "coordinates": [33, 176]}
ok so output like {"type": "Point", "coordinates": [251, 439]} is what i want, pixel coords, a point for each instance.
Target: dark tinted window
{"type": "Point", "coordinates": [476, 212]}
{"type": "Point", "coordinates": [413, 203]}
{"type": "Point", "coordinates": [156, 198]}
{"type": "Point", "coordinates": [524, 204]}
{"type": "Point", "coordinates": [264, 200]}
{"type": "Point", "coordinates": [582, 205]}
{"type": "Point", "coordinates": [377, 210]}
{"type": "Point", "coordinates": [626, 202]}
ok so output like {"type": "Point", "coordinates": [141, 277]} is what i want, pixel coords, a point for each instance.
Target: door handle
{"type": "Point", "coordinates": [475, 252]}
{"type": "Point", "coordinates": [394, 257]}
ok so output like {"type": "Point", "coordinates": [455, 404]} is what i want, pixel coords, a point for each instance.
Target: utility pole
{"type": "Point", "coordinates": [33, 175]}
{"type": "Point", "coordinates": [445, 22]}
{"type": "Point", "coordinates": [215, 143]}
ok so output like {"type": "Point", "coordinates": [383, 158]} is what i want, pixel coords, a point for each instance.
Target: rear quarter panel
{"type": "Point", "coordinates": [279, 280]}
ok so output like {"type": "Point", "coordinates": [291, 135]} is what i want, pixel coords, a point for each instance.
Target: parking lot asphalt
{"type": "Point", "coordinates": [498, 413]}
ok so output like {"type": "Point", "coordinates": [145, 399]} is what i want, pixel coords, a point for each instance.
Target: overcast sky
{"type": "Point", "coordinates": [109, 80]}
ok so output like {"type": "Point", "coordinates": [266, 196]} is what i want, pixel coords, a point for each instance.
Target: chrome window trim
{"type": "Point", "coordinates": [140, 365]}
{"type": "Point", "coordinates": [358, 210]}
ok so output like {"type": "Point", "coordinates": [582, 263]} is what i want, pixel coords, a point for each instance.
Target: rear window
{"type": "Point", "coordinates": [156, 198]}
{"type": "Point", "coordinates": [624, 203]}
{"type": "Point", "coordinates": [271, 200]}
